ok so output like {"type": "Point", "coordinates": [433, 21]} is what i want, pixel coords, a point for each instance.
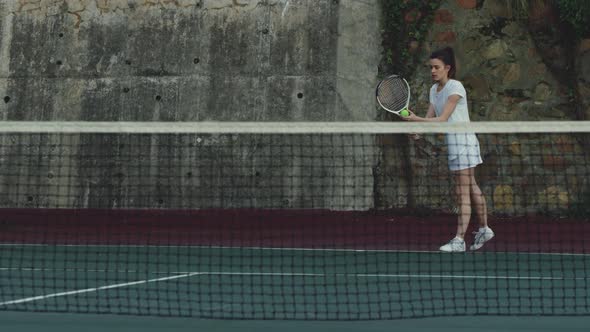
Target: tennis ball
{"type": "Point", "coordinates": [404, 113]}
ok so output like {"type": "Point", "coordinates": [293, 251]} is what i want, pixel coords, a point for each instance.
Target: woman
{"type": "Point", "coordinates": [448, 103]}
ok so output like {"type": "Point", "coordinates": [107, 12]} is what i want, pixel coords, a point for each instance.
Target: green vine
{"type": "Point", "coordinates": [405, 26]}
{"type": "Point", "coordinates": [577, 14]}
{"type": "Point", "coordinates": [574, 13]}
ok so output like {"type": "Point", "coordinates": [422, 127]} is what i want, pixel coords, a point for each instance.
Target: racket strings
{"type": "Point", "coordinates": [393, 94]}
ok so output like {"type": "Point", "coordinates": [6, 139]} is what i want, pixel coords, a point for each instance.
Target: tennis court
{"type": "Point", "coordinates": [209, 228]}
{"type": "Point", "coordinates": [310, 284]}
{"type": "Point", "coordinates": [307, 284]}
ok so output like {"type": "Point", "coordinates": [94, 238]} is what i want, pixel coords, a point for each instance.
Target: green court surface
{"type": "Point", "coordinates": [291, 284]}
{"type": "Point", "coordinates": [33, 322]}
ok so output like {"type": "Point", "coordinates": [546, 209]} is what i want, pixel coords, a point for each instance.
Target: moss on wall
{"type": "Point", "coordinates": [405, 26]}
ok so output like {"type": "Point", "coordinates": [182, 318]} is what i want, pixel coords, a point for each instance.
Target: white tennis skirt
{"type": "Point", "coordinates": [464, 152]}
{"type": "Point", "coordinates": [468, 158]}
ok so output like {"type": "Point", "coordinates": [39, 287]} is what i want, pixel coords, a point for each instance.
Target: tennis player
{"type": "Point", "coordinates": [448, 102]}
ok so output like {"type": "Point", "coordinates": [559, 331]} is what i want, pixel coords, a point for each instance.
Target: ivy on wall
{"type": "Point", "coordinates": [574, 13]}
{"type": "Point", "coordinates": [557, 28]}
{"type": "Point", "coordinates": [577, 14]}
{"type": "Point", "coordinates": [405, 26]}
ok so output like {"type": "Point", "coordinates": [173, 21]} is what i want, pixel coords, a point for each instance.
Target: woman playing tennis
{"type": "Point", "coordinates": [448, 102]}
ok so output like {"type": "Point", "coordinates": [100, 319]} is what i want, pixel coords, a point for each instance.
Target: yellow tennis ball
{"type": "Point", "coordinates": [404, 113]}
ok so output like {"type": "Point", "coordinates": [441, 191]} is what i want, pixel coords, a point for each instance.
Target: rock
{"type": "Point", "coordinates": [495, 50]}
{"type": "Point", "coordinates": [553, 198]}
{"type": "Point", "coordinates": [503, 198]}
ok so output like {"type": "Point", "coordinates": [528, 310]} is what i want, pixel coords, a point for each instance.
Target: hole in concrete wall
{"type": "Point", "coordinates": [61, 34]}
{"type": "Point", "coordinates": [196, 60]}
{"type": "Point", "coordinates": [300, 95]}
{"type": "Point", "coordinates": [7, 99]}
{"type": "Point", "coordinates": [158, 98]}
{"type": "Point", "coordinates": [58, 62]}
{"type": "Point", "coordinates": [265, 31]}
{"type": "Point", "coordinates": [189, 175]}
{"type": "Point", "coordinates": [125, 90]}
{"type": "Point", "coordinates": [128, 62]}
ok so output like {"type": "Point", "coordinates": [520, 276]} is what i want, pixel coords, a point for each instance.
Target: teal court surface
{"type": "Point", "coordinates": [182, 287]}
{"type": "Point", "coordinates": [25, 322]}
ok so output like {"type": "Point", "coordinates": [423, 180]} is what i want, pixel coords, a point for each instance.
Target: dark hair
{"type": "Point", "coordinates": [447, 56]}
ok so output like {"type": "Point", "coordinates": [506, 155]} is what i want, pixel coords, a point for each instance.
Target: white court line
{"type": "Point", "coordinates": [298, 274]}
{"type": "Point", "coordinates": [45, 269]}
{"type": "Point", "coordinates": [379, 275]}
{"type": "Point", "coordinates": [280, 274]}
{"type": "Point", "coordinates": [96, 289]}
{"type": "Point", "coordinates": [457, 276]}
{"type": "Point", "coordinates": [291, 249]}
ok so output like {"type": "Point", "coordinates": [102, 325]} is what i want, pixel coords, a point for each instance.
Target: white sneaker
{"type": "Point", "coordinates": [482, 236]}
{"type": "Point", "coordinates": [455, 245]}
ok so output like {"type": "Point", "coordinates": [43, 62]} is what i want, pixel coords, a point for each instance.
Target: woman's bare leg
{"type": "Point", "coordinates": [462, 192]}
{"type": "Point", "coordinates": [478, 201]}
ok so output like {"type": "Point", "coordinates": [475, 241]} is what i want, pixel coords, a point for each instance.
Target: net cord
{"type": "Point", "coordinates": [209, 127]}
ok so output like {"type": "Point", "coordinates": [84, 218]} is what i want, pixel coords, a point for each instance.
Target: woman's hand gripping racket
{"type": "Point", "coordinates": [393, 94]}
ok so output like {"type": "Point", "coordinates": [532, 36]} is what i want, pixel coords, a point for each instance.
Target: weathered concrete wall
{"type": "Point", "coordinates": [187, 60]}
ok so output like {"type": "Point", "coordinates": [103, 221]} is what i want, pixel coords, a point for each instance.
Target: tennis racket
{"type": "Point", "coordinates": [393, 95]}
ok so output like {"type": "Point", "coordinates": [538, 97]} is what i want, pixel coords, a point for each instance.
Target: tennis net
{"type": "Point", "coordinates": [318, 221]}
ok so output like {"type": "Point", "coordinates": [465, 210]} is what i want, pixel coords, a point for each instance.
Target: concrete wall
{"type": "Point", "coordinates": [186, 60]}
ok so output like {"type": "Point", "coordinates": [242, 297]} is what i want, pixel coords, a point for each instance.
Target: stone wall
{"type": "Point", "coordinates": [507, 79]}
{"type": "Point", "coordinates": [498, 63]}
